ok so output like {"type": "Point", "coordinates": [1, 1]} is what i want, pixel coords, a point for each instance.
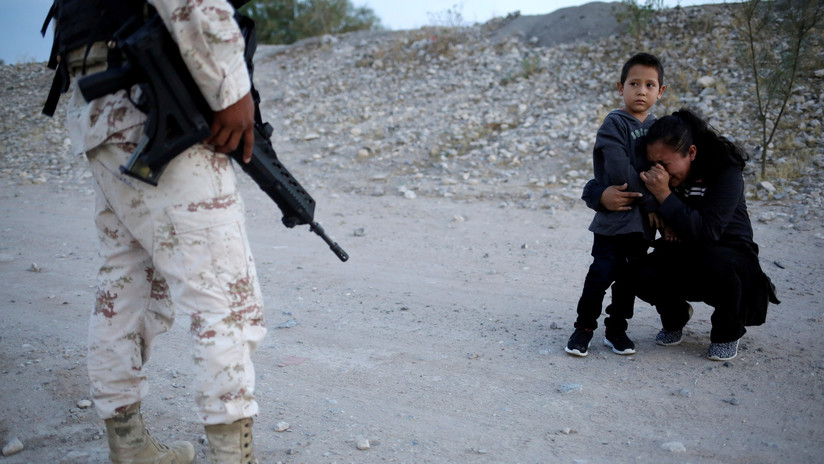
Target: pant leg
{"type": "Point", "coordinates": [661, 279]}
{"type": "Point", "coordinates": [600, 276]}
{"type": "Point", "coordinates": [722, 284]}
{"type": "Point", "coordinates": [132, 307]}
{"type": "Point", "coordinates": [192, 227]}
{"type": "Point", "coordinates": [631, 248]}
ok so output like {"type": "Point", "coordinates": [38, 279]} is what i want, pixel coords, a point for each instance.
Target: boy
{"type": "Point", "coordinates": [619, 236]}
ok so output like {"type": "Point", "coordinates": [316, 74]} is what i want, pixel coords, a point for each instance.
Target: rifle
{"type": "Point", "coordinates": [178, 117]}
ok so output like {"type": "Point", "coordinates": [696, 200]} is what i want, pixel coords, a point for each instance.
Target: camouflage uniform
{"type": "Point", "coordinates": [179, 246]}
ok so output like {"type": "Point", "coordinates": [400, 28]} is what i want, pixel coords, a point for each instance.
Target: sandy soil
{"type": "Point", "coordinates": [441, 340]}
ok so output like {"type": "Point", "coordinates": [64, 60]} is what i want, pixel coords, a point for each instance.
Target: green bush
{"type": "Point", "coordinates": [287, 21]}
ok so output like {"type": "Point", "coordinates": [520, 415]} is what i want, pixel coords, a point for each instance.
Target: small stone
{"type": "Point", "coordinates": [34, 268]}
{"type": "Point", "coordinates": [363, 444]}
{"type": "Point", "coordinates": [569, 387]}
{"type": "Point", "coordinates": [674, 447]}
{"type": "Point", "coordinates": [84, 404]}
{"type": "Point", "coordinates": [281, 426]}
{"type": "Point", "coordinates": [75, 456]}
{"type": "Point", "coordinates": [359, 232]}
{"type": "Point", "coordinates": [12, 447]}
{"type": "Point", "coordinates": [684, 392]}
{"type": "Point", "coordinates": [733, 401]}
{"type": "Point", "coordinates": [768, 186]}
{"type": "Point", "coordinates": [705, 81]}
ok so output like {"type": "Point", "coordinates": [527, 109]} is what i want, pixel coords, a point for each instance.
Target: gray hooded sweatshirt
{"type": "Point", "coordinates": [619, 156]}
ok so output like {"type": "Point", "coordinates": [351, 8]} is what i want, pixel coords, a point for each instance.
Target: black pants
{"type": "Point", "coordinates": [612, 256]}
{"type": "Point", "coordinates": [718, 275]}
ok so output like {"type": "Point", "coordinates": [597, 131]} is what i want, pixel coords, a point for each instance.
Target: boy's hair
{"type": "Point", "coordinates": [645, 59]}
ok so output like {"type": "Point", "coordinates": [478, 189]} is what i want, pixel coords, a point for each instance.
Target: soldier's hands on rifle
{"type": "Point", "coordinates": [233, 124]}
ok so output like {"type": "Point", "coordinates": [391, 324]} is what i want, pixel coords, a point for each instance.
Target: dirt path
{"type": "Point", "coordinates": [440, 341]}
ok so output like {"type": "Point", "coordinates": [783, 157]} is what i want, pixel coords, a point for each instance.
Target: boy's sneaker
{"type": "Point", "coordinates": [723, 351]}
{"type": "Point", "coordinates": [619, 342]}
{"type": "Point", "coordinates": [578, 343]}
{"type": "Point", "coordinates": [669, 338]}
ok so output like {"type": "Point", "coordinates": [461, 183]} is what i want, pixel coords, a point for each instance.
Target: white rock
{"type": "Point", "coordinates": [363, 444]}
{"type": "Point", "coordinates": [706, 81]}
{"type": "Point", "coordinates": [13, 446]}
{"type": "Point", "coordinates": [768, 186]}
{"type": "Point", "coordinates": [281, 426]}
{"type": "Point", "coordinates": [84, 404]}
{"type": "Point", "coordinates": [674, 447]}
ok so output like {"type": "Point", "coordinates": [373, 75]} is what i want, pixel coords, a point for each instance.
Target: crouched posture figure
{"type": "Point", "coordinates": [179, 246]}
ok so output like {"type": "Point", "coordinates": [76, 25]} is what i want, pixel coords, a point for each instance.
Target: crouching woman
{"type": "Point", "coordinates": [707, 252]}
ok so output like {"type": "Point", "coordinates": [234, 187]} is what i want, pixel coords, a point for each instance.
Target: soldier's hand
{"type": "Point", "coordinates": [233, 124]}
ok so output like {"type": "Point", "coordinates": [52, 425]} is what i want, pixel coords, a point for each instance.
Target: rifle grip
{"type": "Point", "coordinates": [103, 83]}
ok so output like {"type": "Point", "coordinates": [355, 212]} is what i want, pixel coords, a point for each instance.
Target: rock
{"type": "Point", "coordinates": [84, 404]}
{"type": "Point", "coordinates": [674, 447]}
{"type": "Point", "coordinates": [281, 426]}
{"type": "Point", "coordinates": [34, 268]}
{"type": "Point", "coordinates": [363, 444]}
{"type": "Point", "coordinates": [705, 81]}
{"type": "Point", "coordinates": [684, 392]}
{"type": "Point", "coordinates": [766, 185]}
{"type": "Point", "coordinates": [288, 324]}
{"type": "Point", "coordinates": [74, 457]}
{"type": "Point", "coordinates": [570, 387]}
{"type": "Point", "coordinates": [12, 447]}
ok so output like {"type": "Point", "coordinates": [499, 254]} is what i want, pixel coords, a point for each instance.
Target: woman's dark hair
{"type": "Point", "coordinates": [684, 128]}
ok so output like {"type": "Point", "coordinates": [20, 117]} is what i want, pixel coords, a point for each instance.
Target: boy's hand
{"type": "Point", "coordinates": [615, 198]}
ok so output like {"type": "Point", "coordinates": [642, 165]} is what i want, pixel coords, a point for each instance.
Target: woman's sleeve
{"type": "Point", "coordinates": [707, 222]}
{"type": "Point", "coordinates": [212, 47]}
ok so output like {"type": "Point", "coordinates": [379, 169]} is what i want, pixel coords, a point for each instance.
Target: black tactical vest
{"type": "Point", "coordinates": [78, 25]}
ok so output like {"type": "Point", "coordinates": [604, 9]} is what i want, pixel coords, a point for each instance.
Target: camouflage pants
{"type": "Point", "coordinates": [179, 246]}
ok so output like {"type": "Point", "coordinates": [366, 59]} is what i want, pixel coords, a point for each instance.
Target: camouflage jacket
{"type": "Point", "coordinates": [212, 47]}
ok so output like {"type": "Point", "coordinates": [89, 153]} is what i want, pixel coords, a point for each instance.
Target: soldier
{"type": "Point", "coordinates": [178, 247]}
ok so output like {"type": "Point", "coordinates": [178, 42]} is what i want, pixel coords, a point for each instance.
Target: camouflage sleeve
{"type": "Point", "coordinates": [212, 47]}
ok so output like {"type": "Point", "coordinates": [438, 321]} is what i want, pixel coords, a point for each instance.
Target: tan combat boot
{"type": "Point", "coordinates": [130, 442]}
{"type": "Point", "coordinates": [231, 443]}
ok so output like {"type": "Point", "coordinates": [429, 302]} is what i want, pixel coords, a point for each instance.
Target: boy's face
{"type": "Point", "coordinates": [640, 90]}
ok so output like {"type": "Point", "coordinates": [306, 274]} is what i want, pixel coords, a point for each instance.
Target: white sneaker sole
{"type": "Point", "coordinates": [614, 350]}
{"type": "Point", "coordinates": [576, 352]}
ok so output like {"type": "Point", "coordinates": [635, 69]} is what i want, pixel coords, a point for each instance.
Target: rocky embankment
{"type": "Point", "coordinates": [505, 111]}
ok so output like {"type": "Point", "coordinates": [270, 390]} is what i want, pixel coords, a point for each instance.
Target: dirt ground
{"type": "Point", "coordinates": [440, 341]}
